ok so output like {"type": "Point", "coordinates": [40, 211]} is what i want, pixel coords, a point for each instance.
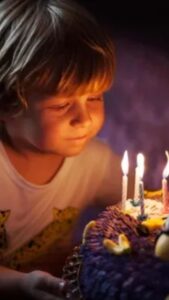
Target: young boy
{"type": "Point", "coordinates": [55, 65]}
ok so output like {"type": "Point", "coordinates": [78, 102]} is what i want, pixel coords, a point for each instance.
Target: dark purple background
{"type": "Point", "coordinates": [137, 109]}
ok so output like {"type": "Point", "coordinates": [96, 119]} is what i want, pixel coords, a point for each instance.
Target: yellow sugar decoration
{"type": "Point", "coordinates": [127, 212]}
{"type": "Point", "coordinates": [123, 246]}
{"type": "Point", "coordinates": [123, 241]}
{"type": "Point", "coordinates": [157, 194]}
{"type": "Point", "coordinates": [153, 223]}
{"type": "Point", "coordinates": [90, 225]}
{"type": "Point", "coordinates": [110, 245]}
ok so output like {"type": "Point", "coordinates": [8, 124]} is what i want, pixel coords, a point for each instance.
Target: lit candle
{"type": "Point", "coordinates": [165, 189]}
{"type": "Point", "coordinates": [136, 183]}
{"type": "Point", "coordinates": [125, 168]}
{"type": "Point", "coordinates": [167, 154]}
{"type": "Point", "coordinates": [141, 184]}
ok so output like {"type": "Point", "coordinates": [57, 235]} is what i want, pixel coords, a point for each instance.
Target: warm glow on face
{"type": "Point", "coordinates": [166, 170]}
{"type": "Point", "coordinates": [125, 163]}
{"type": "Point", "coordinates": [140, 164]}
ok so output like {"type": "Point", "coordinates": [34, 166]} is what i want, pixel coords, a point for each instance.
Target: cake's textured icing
{"type": "Point", "coordinates": [132, 275]}
{"type": "Point", "coordinates": [152, 208]}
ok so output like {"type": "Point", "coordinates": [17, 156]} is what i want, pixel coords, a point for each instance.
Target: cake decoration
{"type": "Point", "coordinates": [162, 243]}
{"type": "Point", "coordinates": [142, 229]}
{"type": "Point", "coordinates": [124, 254]}
{"type": "Point", "coordinates": [122, 247]}
{"type": "Point", "coordinates": [90, 225]}
{"type": "Point", "coordinates": [104, 271]}
{"type": "Point", "coordinates": [153, 208]}
{"type": "Point", "coordinates": [162, 246]}
{"type": "Point", "coordinates": [139, 193]}
{"type": "Point", "coordinates": [154, 223]}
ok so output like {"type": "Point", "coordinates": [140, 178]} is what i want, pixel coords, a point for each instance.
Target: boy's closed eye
{"type": "Point", "coordinates": [97, 98]}
{"type": "Point", "coordinates": [61, 106]}
{"type": "Point", "coordinates": [66, 105]}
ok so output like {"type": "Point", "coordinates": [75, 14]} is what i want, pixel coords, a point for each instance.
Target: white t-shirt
{"type": "Point", "coordinates": [26, 208]}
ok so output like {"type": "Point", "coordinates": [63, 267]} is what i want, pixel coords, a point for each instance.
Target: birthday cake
{"type": "Point", "coordinates": [152, 208]}
{"type": "Point", "coordinates": [153, 205]}
{"type": "Point", "coordinates": [120, 258]}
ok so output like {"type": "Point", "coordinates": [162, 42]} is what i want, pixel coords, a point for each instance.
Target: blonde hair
{"type": "Point", "coordinates": [53, 46]}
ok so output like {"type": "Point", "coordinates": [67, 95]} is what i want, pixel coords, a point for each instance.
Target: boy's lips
{"type": "Point", "coordinates": [82, 137]}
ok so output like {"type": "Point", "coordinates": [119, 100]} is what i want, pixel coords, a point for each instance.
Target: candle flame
{"type": "Point", "coordinates": [125, 163]}
{"type": "Point", "coordinates": [166, 170]}
{"type": "Point", "coordinates": [140, 164]}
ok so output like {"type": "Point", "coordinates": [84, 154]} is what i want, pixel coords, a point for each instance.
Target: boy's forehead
{"type": "Point", "coordinates": [43, 91]}
{"type": "Point", "coordinates": [44, 96]}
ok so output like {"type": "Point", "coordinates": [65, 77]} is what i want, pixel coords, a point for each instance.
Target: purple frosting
{"type": "Point", "coordinates": [138, 275]}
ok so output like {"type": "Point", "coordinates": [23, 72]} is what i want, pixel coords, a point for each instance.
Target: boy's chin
{"type": "Point", "coordinates": [72, 152]}
{"type": "Point", "coordinates": [74, 149]}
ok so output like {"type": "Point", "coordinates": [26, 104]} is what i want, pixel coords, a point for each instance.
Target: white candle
{"type": "Point", "coordinates": [141, 197]}
{"type": "Point", "coordinates": [125, 168]}
{"type": "Point", "coordinates": [124, 190]}
{"type": "Point", "coordinates": [140, 159]}
{"type": "Point", "coordinates": [136, 184]}
{"type": "Point", "coordinates": [167, 154]}
{"type": "Point", "coordinates": [165, 188]}
{"type": "Point", "coordinates": [164, 193]}
{"type": "Point", "coordinates": [141, 184]}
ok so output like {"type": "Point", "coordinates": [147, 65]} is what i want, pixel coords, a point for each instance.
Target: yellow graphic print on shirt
{"type": "Point", "coordinates": [4, 215]}
{"type": "Point", "coordinates": [63, 222]}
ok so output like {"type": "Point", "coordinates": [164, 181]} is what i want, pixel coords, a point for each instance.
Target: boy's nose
{"type": "Point", "coordinates": [81, 117]}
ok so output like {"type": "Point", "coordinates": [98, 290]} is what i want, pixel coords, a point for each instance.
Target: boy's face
{"type": "Point", "coordinates": [57, 124]}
